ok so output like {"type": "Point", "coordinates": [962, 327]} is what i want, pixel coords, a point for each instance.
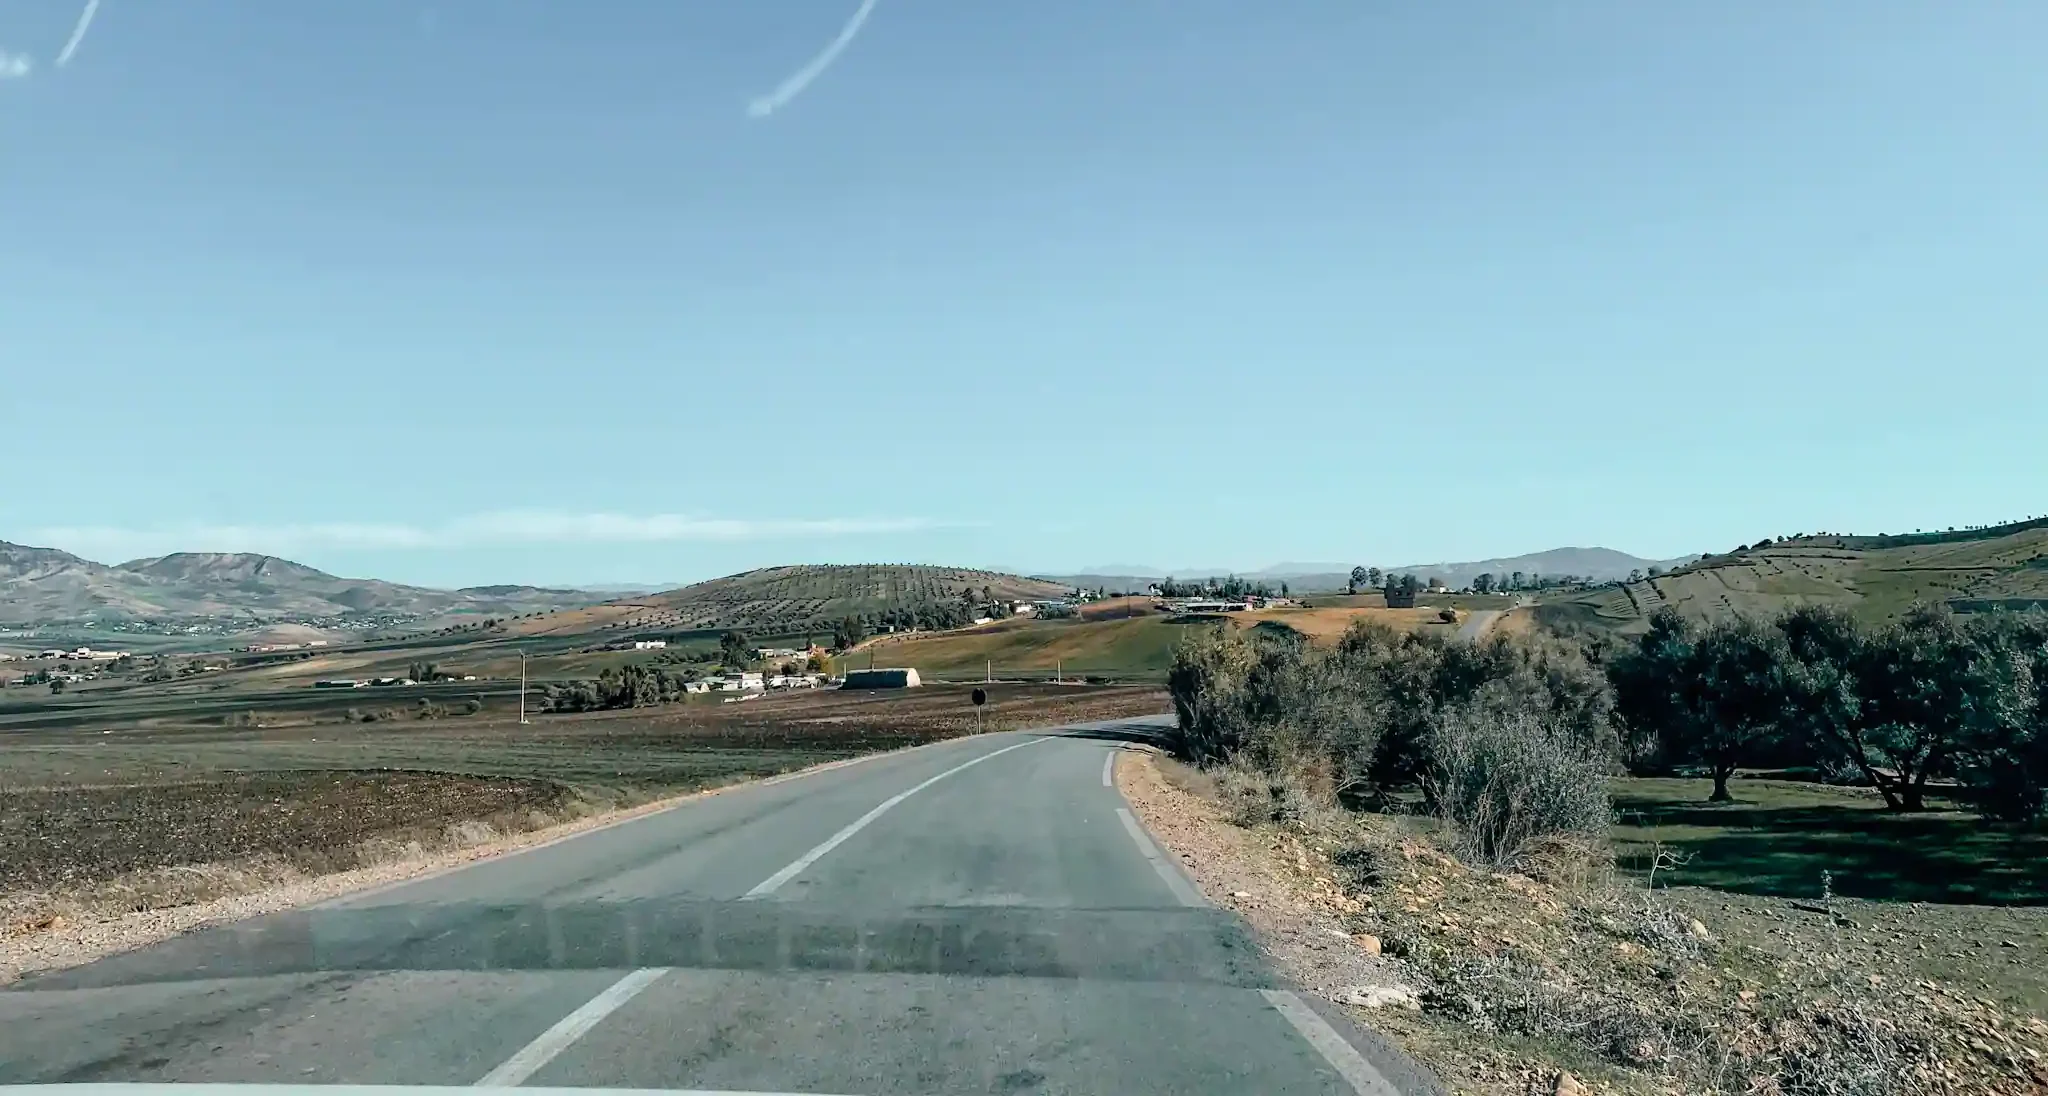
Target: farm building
{"type": "Point", "coordinates": [899, 678]}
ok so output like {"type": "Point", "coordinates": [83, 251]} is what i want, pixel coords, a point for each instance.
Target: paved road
{"type": "Point", "coordinates": [981, 915]}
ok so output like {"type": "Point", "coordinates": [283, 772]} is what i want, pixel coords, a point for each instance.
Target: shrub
{"type": "Point", "coordinates": [1501, 779]}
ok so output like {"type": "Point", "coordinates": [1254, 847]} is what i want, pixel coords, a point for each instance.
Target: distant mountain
{"type": "Point", "coordinates": [45, 584]}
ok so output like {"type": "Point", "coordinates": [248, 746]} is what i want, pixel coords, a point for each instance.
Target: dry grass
{"type": "Point", "coordinates": [1329, 625]}
{"type": "Point", "coordinates": [1523, 976]}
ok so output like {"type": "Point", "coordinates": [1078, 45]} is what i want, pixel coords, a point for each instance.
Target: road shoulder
{"type": "Point", "coordinates": [1292, 913]}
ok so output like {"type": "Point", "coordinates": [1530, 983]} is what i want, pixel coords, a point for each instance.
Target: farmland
{"type": "Point", "coordinates": [1121, 640]}
{"type": "Point", "coordinates": [90, 806]}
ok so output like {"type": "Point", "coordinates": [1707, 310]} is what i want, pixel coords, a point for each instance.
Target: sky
{"type": "Point", "coordinates": [614, 291]}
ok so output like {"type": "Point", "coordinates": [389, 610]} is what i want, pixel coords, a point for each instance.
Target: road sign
{"type": "Point", "coordinates": [980, 697]}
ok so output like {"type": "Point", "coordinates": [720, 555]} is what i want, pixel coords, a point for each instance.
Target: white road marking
{"type": "Point", "coordinates": [768, 886]}
{"type": "Point", "coordinates": [628, 818]}
{"type": "Point", "coordinates": [1175, 881]}
{"type": "Point", "coordinates": [1109, 770]}
{"type": "Point", "coordinates": [568, 1029]}
{"type": "Point", "coordinates": [1334, 1048]}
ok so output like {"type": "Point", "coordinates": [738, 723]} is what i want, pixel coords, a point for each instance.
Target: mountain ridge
{"type": "Point", "coordinates": [39, 585]}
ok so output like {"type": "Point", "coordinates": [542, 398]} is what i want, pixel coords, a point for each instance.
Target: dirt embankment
{"type": "Point", "coordinates": [1571, 980]}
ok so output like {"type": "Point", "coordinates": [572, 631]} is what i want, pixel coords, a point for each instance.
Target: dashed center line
{"type": "Point", "coordinates": [769, 885]}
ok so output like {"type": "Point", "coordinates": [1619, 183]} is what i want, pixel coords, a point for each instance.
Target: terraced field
{"type": "Point", "coordinates": [1873, 577]}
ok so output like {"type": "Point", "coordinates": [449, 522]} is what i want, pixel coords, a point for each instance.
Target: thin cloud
{"type": "Point", "coordinates": [92, 8]}
{"type": "Point", "coordinates": [15, 66]}
{"type": "Point", "coordinates": [801, 78]}
{"type": "Point", "coordinates": [510, 527]}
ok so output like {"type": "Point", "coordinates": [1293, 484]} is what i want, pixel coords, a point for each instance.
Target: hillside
{"type": "Point", "coordinates": [1872, 576]}
{"type": "Point", "coordinates": [775, 600]}
{"type": "Point", "coordinates": [42, 585]}
{"type": "Point", "coordinates": [1108, 644]}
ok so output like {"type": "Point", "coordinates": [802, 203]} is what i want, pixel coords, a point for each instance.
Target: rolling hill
{"type": "Point", "coordinates": [41, 585]}
{"type": "Point", "coordinates": [1102, 644]}
{"type": "Point", "coordinates": [1874, 577]}
{"type": "Point", "coordinates": [789, 599]}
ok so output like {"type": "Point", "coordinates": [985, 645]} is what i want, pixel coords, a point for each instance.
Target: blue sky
{"type": "Point", "coordinates": [519, 290]}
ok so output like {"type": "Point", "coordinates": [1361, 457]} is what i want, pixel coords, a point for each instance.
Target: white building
{"type": "Point", "coordinates": [649, 644]}
{"type": "Point", "coordinates": [746, 682]}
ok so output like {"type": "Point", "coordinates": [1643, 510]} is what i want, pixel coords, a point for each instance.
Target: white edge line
{"type": "Point", "coordinates": [626, 818]}
{"type": "Point", "coordinates": [768, 886]}
{"type": "Point", "coordinates": [568, 1029]}
{"type": "Point", "coordinates": [1175, 882]}
{"type": "Point", "coordinates": [1335, 1049]}
{"type": "Point", "coordinates": [1109, 770]}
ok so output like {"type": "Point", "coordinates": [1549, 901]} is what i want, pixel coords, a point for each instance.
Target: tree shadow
{"type": "Point", "coordinates": [1860, 851]}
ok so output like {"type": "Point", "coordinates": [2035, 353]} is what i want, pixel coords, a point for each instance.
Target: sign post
{"type": "Point", "coordinates": [980, 698]}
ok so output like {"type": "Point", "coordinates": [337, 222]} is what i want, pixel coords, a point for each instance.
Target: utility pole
{"type": "Point", "coordinates": [522, 687]}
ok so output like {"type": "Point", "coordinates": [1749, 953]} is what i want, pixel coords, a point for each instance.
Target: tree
{"type": "Point", "coordinates": [1482, 584]}
{"type": "Point", "coordinates": [56, 685]}
{"type": "Point", "coordinates": [424, 671]}
{"type": "Point", "coordinates": [1733, 699]}
{"type": "Point", "coordinates": [1372, 576]}
{"type": "Point", "coordinates": [1361, 577]}
{"type": "Point", "coordinates": [1410, 584]}
{"type": "Point", "coordinates": [733, 649]}
{"type": "Point", "coordinates": [1928, 686]}
{"type": "Point", "coordinates": [1283, 590]}
{"type": "Point", "coordinates": [1710, 696]}
{"type": "Point", "coordinates": [1515, 581]}
{"type": "Point", "coordinates": [848, 632]}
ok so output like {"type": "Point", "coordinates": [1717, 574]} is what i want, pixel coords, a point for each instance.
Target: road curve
{"type": "Point", "coordinates": [980, 915]}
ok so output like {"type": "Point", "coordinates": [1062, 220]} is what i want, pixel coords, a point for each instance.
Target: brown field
{"type": "Point", "coordinates": [1118, 608]}
{"type": "Point", "coordinates": [88, 808]}
{"type": "Point", "coordinates": [1327, 625]}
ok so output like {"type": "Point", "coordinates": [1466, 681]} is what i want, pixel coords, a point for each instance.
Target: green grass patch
{"type": "Point", "coordinates": [1780, 836]}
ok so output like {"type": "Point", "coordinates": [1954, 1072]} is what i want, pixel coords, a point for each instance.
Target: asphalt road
{"type": "Point", "coordinates": [982, 915]}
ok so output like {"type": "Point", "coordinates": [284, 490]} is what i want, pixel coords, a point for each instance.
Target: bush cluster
{"type": "Point", "coordinates": [632, 686]}
{"type": "Point", "coordinates": [1509, 740]}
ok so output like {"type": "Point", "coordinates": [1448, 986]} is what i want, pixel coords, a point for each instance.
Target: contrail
{"type": "Point", "coordinates": [801, 79]}
{"type": "Point", "coordinates": [92, 8]}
